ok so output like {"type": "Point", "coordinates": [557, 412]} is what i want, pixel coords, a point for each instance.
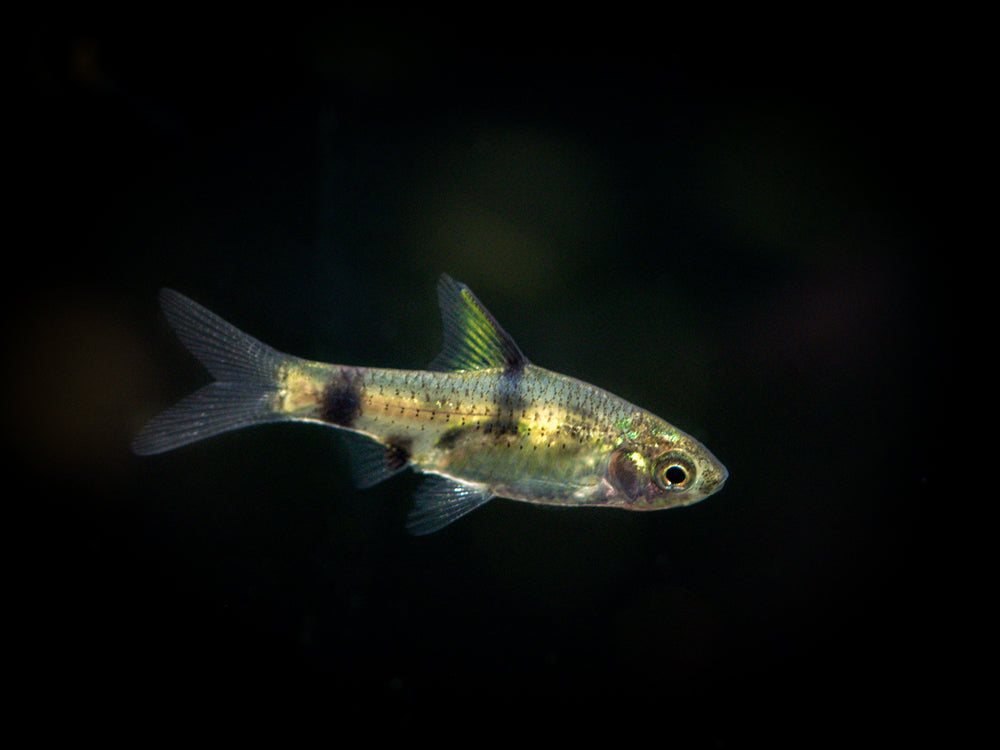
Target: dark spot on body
{"type": "Point", "coordinates": [509, 402]}
{"type": "Point", "coordinates": [341, 400]}
{"type": "Point", "coordinates": [501, 426]}
{"type": "Point", "coordinates": [398, 450]}
{"type": "Point", "coordinates": [448, 440]}
{"type": "Point", "coordinates": [514, 360]}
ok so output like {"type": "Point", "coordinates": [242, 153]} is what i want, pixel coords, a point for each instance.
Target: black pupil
{"type": "Point", "coordinates": [675, 474]}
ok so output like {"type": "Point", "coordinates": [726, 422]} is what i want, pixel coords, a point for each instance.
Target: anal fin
{"type": "Point", "coordinates": [371, 461]}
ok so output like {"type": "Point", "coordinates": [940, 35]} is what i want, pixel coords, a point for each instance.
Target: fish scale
{"type": "Point", "coordinates": [482, 422]}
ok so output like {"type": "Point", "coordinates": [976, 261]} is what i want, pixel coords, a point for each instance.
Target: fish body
{"type": "Point", "coordinates": [482, 422]}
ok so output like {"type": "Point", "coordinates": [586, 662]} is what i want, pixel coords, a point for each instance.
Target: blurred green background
{"type": "Point", "coordinates": [729, 236]}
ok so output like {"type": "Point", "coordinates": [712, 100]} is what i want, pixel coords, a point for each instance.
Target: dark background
{"type": "Point", "coordinates": [732, 235]}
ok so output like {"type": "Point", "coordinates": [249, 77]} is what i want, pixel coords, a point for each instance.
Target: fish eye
{"type": "Point", "coordinates": [673, 472]}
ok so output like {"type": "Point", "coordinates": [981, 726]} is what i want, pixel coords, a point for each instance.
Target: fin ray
{"type": "Point", "coordinates": [212, 410]}
{"type": "Point", "coordinates": [246, 371]}
{"type": "Point", "coordinates": [441, 501]}
{"type": "Point", "coordinates": [371, 461]}
{"type": "Point", "coordinates": [473, 340]}
{"type": "Point", "coordinates": [225, 351]}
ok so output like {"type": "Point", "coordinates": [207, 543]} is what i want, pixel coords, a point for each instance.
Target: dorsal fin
{"type": "Point", "coordinates": [473, 340]}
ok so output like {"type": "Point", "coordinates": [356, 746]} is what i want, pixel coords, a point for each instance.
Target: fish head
{"type": "Point", "coordinates": [666, 469]}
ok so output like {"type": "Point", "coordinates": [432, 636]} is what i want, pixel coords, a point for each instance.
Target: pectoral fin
{"type": "Point", "coordinates": [440, 500]}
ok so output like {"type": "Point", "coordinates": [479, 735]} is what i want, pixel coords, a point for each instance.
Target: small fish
{"type": "Point", "coordinates": [483, 422]}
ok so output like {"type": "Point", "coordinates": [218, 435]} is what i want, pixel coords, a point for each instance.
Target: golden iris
{"type": "Point", "coordinates": [673, 472]}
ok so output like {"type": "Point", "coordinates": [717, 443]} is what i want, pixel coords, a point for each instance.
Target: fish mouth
{"type": "Point", "coordinates": [723, 476]}
{"type": "Point", "coordinates": [714, 478]}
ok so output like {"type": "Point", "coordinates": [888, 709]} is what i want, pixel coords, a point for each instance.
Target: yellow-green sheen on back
{"type": "Point", "coordinates": [482, 422]}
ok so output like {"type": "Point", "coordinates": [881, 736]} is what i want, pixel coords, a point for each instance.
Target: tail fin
{"type": "Point", "coordinates": [246, 373]}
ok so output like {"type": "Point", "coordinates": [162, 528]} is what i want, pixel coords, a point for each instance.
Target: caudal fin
{"type": "Point", "coordinates": [246, 373]}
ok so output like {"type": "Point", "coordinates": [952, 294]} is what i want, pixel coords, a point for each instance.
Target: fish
{"type": "Point", "coordinates": [481, 422]}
